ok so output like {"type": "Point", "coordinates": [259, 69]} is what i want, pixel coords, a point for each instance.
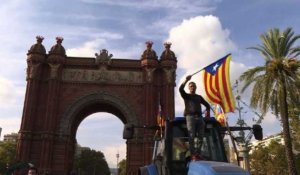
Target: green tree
{"type": "Point", "coordinates": [258, 161]}
{"type": "Point", "coordinates": [277, 81]}
{"type": "Point", "coordinates": [91, 162]}
{"type": "Point", "coordinates": [298, 162]}
{"type": "Point", "coordinates": [7, 155]}
{"type": "Point", "coordinates": [294, 113]}
{"type": "Point", "coordinates": [277, 161]}
{"type": "Point", "coordinates": [122, 167]}
{"type": "Point", "coordinates": [268, 160]}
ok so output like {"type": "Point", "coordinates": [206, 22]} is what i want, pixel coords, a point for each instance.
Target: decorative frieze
{"type": "Point", "coordinates": [54, 70]}
{"type": "Point", "coordinates": [32, 71]}
{"type": "Point", "coordinates": [101, 75]}
{"type": "Point", "coordinates": [149, 72]}
{"type": "Point", "coordinates": [170, 75]}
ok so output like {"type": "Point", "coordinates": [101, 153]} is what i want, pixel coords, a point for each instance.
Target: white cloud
{"type": "Point", "coordinates": [7, 93]}
{"type": "Point", "coordinates": [164, 13]}
{"type": "Point", "coordinates": [132, 52]}
{"type": "Point", "coordinates": [14, 26]}
{"type": "Point", "coordinates": [11, 101]}
{"type": "Point", "coordinates": [187, 6]}
{"type": "Point", "coordinates": [270, 118]}
{"type": "Point", "coordinates": [110, 153]}
{"type": "Point", "coordinates": [198, 42]}
{"type": "Point", "coordinates": [103, 131]}
{"type": "Point", "coordinates": [88, 49]}
{"type": "Point", "coordinates": [9, 125]}
{"type": "Point", "coordinates": [270, 124]}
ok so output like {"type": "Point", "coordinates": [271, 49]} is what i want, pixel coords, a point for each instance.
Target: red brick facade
{"type": "Point", "coordinates": [62, 91]}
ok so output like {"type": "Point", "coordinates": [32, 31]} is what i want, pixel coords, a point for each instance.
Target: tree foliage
{"type": "Point", "coordinates": [294, 113]}
{"type": "Point", "coordinates": [91, 162]}
{"type": "Point", "coordinates": [122, 167]}
{"type": "Point", "coordinates": [281, 69]}
{"type": "Point", "coordinates": [277, 82]}
{"type": "Point", "coordinates": [270, 160]}
{"type": "Point", "coordinates": [7, 155]}
{"type": "Point", "coordinates": [258, 161]}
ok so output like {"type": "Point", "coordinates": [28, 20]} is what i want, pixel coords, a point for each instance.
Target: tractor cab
{"type": "Point", "coordinates": [171, 154]}
{"type": "Point", "coordinates": [173, 148]}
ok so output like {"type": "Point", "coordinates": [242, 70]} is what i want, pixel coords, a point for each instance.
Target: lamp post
{"type": "Point", "coordinates": [118, 155]}
{"type": "Point", "coordinates": [243, 140]}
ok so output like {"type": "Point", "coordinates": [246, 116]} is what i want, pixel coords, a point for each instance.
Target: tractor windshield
{"type": "Point", "coordinates": [212, 147]}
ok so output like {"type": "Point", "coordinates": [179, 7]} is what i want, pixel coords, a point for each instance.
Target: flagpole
{"type": "Point", "coordinates": [196, 72]}
{"type": "Point", "coordinates": [210, 64]}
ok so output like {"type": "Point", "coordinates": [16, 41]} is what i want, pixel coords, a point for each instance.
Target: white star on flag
{"type": "Point", "coordinates": [215, 67]}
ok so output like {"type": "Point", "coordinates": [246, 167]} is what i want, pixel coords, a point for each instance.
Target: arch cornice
{"type": "Point", "coordinates": [69, 116]}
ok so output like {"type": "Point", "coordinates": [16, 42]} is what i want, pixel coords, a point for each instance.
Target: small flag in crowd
{"type": "Point", "coordinates": [220, 116]}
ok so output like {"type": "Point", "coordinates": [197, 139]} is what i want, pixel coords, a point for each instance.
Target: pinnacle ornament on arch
{"type": "Point", "coordinates": [58, 49]}
{"type": "Point", "coordinates": [149, 53]}
{"type": "Point", "coordinates": [168, 54]}
{"type": "Point", "coordinates": [39, 39]}
{"type": "Point", "coordinates": [38, 47]}
{"type": "Point", "coordinates": [59, 40]}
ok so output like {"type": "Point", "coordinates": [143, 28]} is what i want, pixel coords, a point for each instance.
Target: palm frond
{"type": "Point", "coordinates": [260, 92]}
{"type": "Point", "coordinates": [293, 90]}
{"type": "Point", "coordinates": [294, 52]}
{"type": "Point", "coordinates": [268, 44]}
{"type": "Point", "coordinates": [290, 41]}
{"type": "Point", "coordinates": [286, 37]}
{"type": "Point", "coordinates": [276, 48]}
{"type": "Point", "coordinates": [263, 51]}
{"type": "Point", "coordinates": [249, 76]}
{"type": "Point", "coordinates": [274, 105]}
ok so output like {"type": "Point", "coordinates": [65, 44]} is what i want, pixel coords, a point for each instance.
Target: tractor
{"type": "Point", "coordinates": [171, 151]}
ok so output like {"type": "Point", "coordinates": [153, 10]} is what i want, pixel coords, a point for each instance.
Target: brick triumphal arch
{"type": "Point", "coordinates": [61, 91]}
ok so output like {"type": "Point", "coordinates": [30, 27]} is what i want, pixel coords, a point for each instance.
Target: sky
{"type": "Point", "coordinates": [201, 31]}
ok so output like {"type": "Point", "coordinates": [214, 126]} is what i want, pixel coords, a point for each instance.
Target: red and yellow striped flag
{"type": "Point", "coordinates": [160, 119]}
{"type": "Point", "coordinates": [220, 116]}
{"type": "Point", "coordinates": [217, 84]}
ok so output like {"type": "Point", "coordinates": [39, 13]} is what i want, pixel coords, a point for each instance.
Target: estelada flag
{"type": "Point", "coordinates": [160, 119]}
{"type": "Point", "coordinates": [220, 116]}
{"type": "Point", "coordinates": [217, 84]}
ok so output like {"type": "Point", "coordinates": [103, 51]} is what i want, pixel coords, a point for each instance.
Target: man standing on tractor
{"type": "Point", "coordinates": [193, 114]}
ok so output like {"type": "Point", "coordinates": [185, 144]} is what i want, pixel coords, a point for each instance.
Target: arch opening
{"type": "Point", "coordinates": [102, 131]}
{"type": "Point", "coordinates": [95, 109]}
